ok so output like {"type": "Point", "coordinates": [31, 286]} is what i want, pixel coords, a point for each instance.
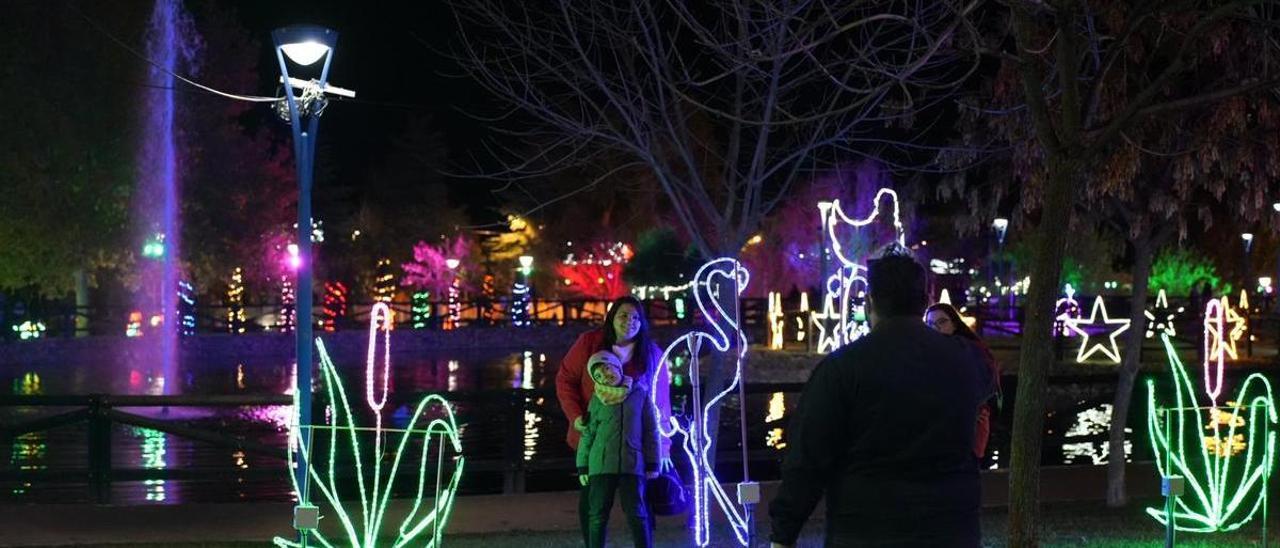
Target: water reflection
{"type": "Point", "coordinates": [776, 411]}
{"type": "Point", "coordinates": [531, 430]}
{"type": "Point", "coordinates": [154, 452]}
{"type": "Point", "coordinates": [1087, 437]}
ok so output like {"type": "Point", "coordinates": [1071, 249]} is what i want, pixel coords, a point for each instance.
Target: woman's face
{"type": "Point", "coordinates": [626, 322]}
{"type": "Point", "coordinates": [940, 322]}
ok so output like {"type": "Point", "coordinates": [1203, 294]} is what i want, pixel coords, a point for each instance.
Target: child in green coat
{"type": "Point", "coordinates": [619, 449]}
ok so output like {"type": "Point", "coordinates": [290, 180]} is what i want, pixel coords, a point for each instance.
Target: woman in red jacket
{"type": "Point", "coordinates": [945, 319]}
{"type": "Point", "coordinates": [626, 334]}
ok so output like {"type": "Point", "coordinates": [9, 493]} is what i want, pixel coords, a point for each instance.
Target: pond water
{"type": "Point", "coordinates": [507, 413]}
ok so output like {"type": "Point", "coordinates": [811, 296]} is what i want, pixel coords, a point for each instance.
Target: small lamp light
{"type": "Point", "coordinates": [452, 263]}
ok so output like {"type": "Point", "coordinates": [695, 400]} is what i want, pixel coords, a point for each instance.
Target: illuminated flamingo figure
{"type": "Point", "coordinates": [697, 441]}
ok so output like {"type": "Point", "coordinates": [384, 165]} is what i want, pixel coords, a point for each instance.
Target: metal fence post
{"type": "Point", "coordinates": [100, 448]}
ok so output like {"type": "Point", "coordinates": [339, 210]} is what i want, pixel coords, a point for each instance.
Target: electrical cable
{"type": "Point", "coordinates": [135, 53]}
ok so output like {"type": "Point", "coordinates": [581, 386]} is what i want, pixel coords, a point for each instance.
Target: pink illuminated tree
{"type": "Point", "coordinates": [430, 269]}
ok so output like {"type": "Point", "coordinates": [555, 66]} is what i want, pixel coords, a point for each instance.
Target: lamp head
{"type": "Point", "coordinates": [305, 44]}
{"type": "Point", "coordinates": [526, 261]}
{"type": "Point", "coordinates": [452, 263]}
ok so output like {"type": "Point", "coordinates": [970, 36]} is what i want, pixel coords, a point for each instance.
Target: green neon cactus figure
{"type": "Point", "coordinates": [1224, 452]}
{"type": "Point", "coordinates": [364, 524]}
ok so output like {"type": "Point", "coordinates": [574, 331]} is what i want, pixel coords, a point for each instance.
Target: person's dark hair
{"type": "Point", "coordinates": [642, 341]}
{"type": "Point", "coordinates": [898, 286]}
{"type": "Point", "coordinates": [962, 329]}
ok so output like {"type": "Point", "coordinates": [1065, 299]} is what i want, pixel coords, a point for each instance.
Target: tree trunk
{"type": "Point", "coordinates": [1037, 351]}
{"type": "Point", "coordinates": [81, 322]}
{"type": "Point", "coordinates": [1142, 255]}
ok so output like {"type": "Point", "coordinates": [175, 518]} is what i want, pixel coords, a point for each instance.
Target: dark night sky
{"type": "Point", "coordinates": [386, 52]}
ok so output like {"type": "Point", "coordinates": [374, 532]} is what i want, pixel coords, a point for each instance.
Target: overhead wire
{"type": "Point", "coordinates": [188, 81]}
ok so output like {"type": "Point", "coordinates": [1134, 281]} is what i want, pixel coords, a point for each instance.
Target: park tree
{"type": "Point", "coordinates": [67, 147]}
{"type": "Point", "coordinates": [1090, 99]}
{"type": "Point", "coordinates": [723, 105]}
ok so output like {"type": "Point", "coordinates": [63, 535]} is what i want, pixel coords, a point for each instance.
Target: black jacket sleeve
{"type": "Point", "coordinates": [812, 451]}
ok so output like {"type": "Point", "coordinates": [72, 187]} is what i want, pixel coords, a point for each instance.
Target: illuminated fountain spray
{"type": "Point", "coordinates": [170, 43]}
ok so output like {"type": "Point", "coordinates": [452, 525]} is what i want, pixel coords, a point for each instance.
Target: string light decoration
{"type": "Point", "coordinates": [521, 298]}
{"type": "Point", "coordinates": [596, 273]}
{"type": "Point", "coordinates": [1239, 327]}
{"type": "Point", "coordinates": [420, 308]}
{"type": "Point", "coordinates": [288, 304]}
{"type": "Point", "coordinates": [384, 281]}
{"type": "Point", "coordinates": [801, 325]}
{"type": "Point", "coordinates": [235, 302]}
{"type": "Point", "coordinates": [1222, 492]}
{"type": "Point", "coordinates": [454, 306]}
{"type": "Point", "coordinates": [186, 309]}
{"type": "Point", "coordinates": [334, 305]}
{"type": "Point", "coordinates": [490, 293]}
{"type": "Point", "coordinates": [1161, 320]}
{"type": "Point", "coordinates": [366, 524]}
{"type": "Point", "coordinates": [133, 328]}
{"type": "Point", "coordinates": [1066, 308]}
{"type": "Point", "coordinates": [1113, 327]}
{"type": "Point", "coordinates": [29, 330]}
{"type": "Point", "coordinates": [847, 286]}
{"type": "Point", "coordinates": [725, 332]}
{"type": "Point", "coordinates": [776, 320]}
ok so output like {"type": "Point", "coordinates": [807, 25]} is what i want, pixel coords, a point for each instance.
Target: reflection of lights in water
{"type": "Point", "coordinates": [1092, 423]}
{"type": "Point", "coordinates": [28, 453]}
{"type": "Point", "coordinates": [453, 375]}
{"type": "Point", "coordinates": [28, 385]}
{"type": "Point", "coordinates": [240, 376]}
{"type": "Point", "coordinates": [777, 410]}
{"type": "Point", "coordinates": [526, 375]}
{"type": "Point", "coordinates": [531, 434]}
{"type": "Point", "coordinates": [153, 458]}
{"type": "Point", "coordinates": [995, 459]}
{"type": "Point", "coordinates": [777, 407]}
{"type": "Point", "coordinates": [1225, 447]}
{"type": "Point", "coordinates": [293, 379]}
{"type": "Point", "coordinates": [238, 456]}
{"type": "Point", "coordinates": [774, 439]}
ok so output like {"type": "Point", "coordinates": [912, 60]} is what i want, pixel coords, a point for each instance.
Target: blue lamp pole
{"type": "Point", "coordinates": [304, 45]}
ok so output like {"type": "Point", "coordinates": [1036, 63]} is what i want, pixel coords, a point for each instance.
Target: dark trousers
{"type": "Point", "coordinates": [597, 502]}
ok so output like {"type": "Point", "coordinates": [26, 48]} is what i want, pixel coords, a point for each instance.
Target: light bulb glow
{"type": "Point", "coordinates": [305, 53]}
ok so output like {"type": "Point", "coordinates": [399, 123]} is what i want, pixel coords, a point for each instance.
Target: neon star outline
{"type": "Point", "coordinates": [1085, 350]}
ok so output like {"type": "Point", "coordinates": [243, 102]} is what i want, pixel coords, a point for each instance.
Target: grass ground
{"type": "Point", "coordinates": [1065, 525]}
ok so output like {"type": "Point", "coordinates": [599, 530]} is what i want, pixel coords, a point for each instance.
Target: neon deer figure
{"type": "Point", "coordinates": [424, 522]}
{"type": "Point", "coordinates": [848, 284]}
{"type": "Point", "coordinates": [697, 442]}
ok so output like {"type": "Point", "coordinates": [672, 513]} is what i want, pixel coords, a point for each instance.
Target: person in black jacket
{"type": "Point", "coordinates": [884, 429]}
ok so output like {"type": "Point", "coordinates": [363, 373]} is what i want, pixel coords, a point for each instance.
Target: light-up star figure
{"type": "Point", "coordinates": [1239, 327]}
{"type": "Point", "coordinates": [1114, 326]}
{"type": "Point", "coordinates": [848, 284]}
{"type": "Point", "coordinates": [724, 333]}
{"type": "Point", "coordinates": [1161, 320]}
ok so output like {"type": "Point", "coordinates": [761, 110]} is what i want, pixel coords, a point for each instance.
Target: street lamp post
{"type": "Point", "coordinates": [1001, 227]}
{"type": "Point", "coordinates": [304, 45]}
{"type": "Point", "coordinates": [1248, 252]}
